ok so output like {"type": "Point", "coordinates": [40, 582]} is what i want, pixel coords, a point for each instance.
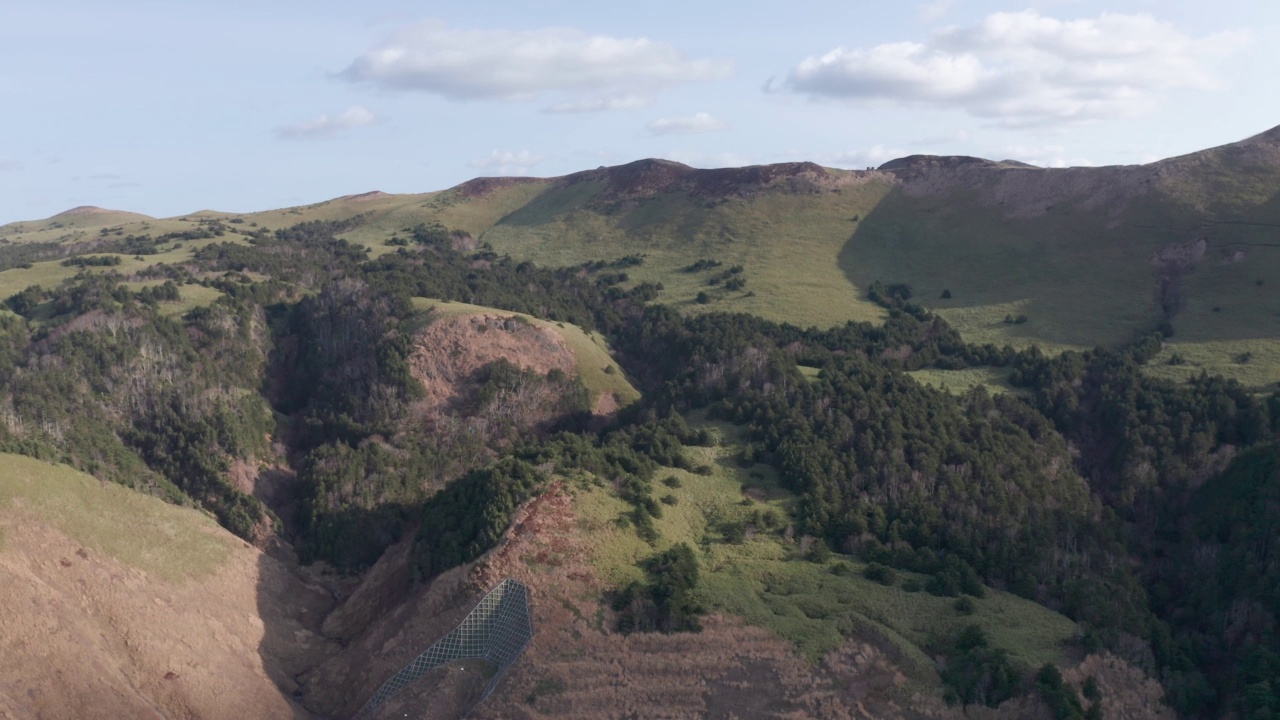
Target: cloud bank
{"type": "Point", "coordinates": [600, 72]}
{"type": "Point", "coordinates": [1023, 69]}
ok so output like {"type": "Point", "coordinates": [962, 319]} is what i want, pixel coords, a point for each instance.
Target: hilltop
{"type": "Point", "coordinates": [1089, 255]}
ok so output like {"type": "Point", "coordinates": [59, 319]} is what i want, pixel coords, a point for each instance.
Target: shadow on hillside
{"type": "Point", "coordinates": [292, 613]}
{"type": "Point", "coordinates": [1071, 291]}
{"type": "Point", "coordinates": [1080, 277]}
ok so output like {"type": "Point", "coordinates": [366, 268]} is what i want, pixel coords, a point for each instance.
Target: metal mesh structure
{"type": "Point", "coordinates": [497, 630]}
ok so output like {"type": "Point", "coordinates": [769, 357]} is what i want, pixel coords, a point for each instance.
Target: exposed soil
{"type": "Point", "coordinates": [84, 636]}
{"type": "Point", "coordinates": [449, 352]}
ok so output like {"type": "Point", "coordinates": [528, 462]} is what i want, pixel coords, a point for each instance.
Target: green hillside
{"type": "Point", "coordinates": [138, 530]}
{"type": "Point", "coordinates": [1083, 256]}
{"type": "Point", "coordinates": [768, 582]}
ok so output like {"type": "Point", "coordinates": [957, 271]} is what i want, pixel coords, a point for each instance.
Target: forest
{"type": "Point", "coordinates": [1137, 507]}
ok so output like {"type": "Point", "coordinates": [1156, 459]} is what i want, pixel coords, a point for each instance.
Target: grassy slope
{"type": "Point", "coordinates": [765, 582]}
{"type": "Point", "coordinates": [960, 382]}
{"type": "Point", "coordinates": [589, 348]}
{"type": "Point", "coordinates": [82, 228]}
{"type": "Point", "coordinates": [1079, 271]}
{"type": "Point", "coordinates": [788, 244]}
{"type": "Point", "coordinates": [138, 530]}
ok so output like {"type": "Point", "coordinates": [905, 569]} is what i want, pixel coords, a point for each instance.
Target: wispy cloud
{"type": "Point", "coordinates": [504, 162]}
{"type": "Point", "coordinates": [353, 117]}
{"type": "Point", "coordinates": [686, 125]}
{"type": "Point", "coordinates": [10, 165]}
{"type": "Point", "coordinates": [624, 102]}
{"type": "Point", "coordinates": [603, 72]}
{"type": "Point", "coordinates": [1024, 69]}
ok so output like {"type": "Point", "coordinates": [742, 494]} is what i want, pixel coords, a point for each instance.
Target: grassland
{"type": "Point", "coordinates": [960, 382]}
{"type": "Point", "coordinates": [1078, 268]}
{"type": "Point", "coordinates": [599, 372]}
{"type": "Point", "coordinates": [138, 530]}
{"type": "Point", "coordinates": [788, 245]}
{"type": "Point", "coordinates": [765, 580]}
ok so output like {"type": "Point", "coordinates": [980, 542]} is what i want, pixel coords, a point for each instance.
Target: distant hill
{"type": "Point", "coordinates": [1087, 255]}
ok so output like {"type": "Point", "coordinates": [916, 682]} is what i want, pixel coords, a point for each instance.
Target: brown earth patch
{"type": "Point", "coordinates": [606, 404]}
{"type": "Point", "coordinates": [449, 352]}
{"type": "Point", "coordinates": [84, 636]}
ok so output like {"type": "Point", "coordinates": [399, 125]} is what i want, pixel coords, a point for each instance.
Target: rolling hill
{"type": "Point", "coordinates": [1088, 255]}
{"type": "Point", "coordinates": [770, 512]}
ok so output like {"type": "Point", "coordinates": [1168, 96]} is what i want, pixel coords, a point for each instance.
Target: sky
{"type": "Point", "coordinates": [166, 108]}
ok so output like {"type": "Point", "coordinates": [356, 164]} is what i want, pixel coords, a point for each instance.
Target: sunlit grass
{"type": "Point", "coordinates": [138, 530]}
{"type": "Point", "coordinates": [766, 581]}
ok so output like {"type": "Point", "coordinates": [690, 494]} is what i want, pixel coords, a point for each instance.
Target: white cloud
{"type": "Point", "coordinates": [10, 165]}
{"type": "Point", "coordinates": [324, 126]}
{"type": "Point", "coordinates": [688, 125]}
{"type": "Point", "coordinates": [503, 162]}
{"type": "Point", "coordinates": [526, 64]}
{"type": "Point", "coordinates": [1023, 68]}
{"type": "Point", "coordinates": [873, 156]}
{"type": "Point", "coordinates": [935, 11]}
{"type": "Point", "coordinates": [604, 104]}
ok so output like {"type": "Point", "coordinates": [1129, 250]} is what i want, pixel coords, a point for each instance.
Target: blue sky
{"type": "Point", "coordinates": [167, 108]}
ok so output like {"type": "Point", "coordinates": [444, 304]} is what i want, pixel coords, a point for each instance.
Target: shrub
{"type": "Point", "coordinates": [819, 552]}
{"type": "Point", "coordinates": [946, 294]}
{"type": "Point", "coordinates": [880, 573]}
{"type": "Point", "coordinates": [669, 499]}
{"type": "Point", "coordinates": [672, 481]}
{"type": "Point", "coordinates": [965, 606]}
{"type": "Point", "coordinates": [703, 298]}
{"type": "Point", "coordinates": [977, 672]}
{"type": "Point", "coordinates": [665, 603]}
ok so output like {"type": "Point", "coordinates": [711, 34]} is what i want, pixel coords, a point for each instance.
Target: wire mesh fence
{"type": "Point", "coordinates": [497, 630]}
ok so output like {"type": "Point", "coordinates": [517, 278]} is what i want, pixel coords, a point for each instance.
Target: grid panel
{"type": "Point", "coordinates": [497, 630]}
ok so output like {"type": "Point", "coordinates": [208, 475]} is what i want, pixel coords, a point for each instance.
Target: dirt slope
{"type": "Point", "coordinates": [117, 605]}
